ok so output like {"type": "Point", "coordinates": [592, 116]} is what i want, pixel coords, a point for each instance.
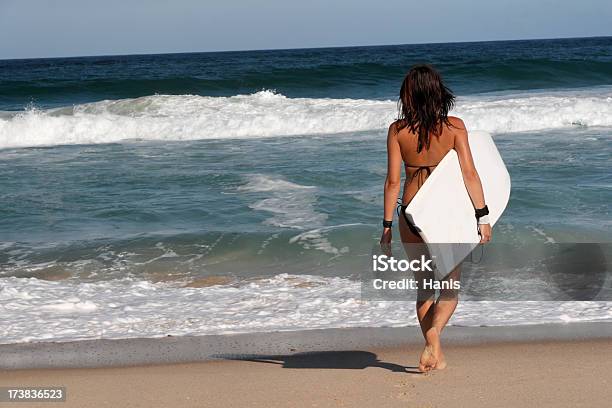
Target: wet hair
{"type": "Point", "coordinates": [423, 104]}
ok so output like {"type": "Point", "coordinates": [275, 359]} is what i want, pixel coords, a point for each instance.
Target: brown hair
{"type": "Point", "coordinates": [424, 103]}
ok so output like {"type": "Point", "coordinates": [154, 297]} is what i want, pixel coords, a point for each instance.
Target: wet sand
{"type": "Point", "coordinates": [570, 373]}
{"type": "Point", "coordinates": [565, 365]}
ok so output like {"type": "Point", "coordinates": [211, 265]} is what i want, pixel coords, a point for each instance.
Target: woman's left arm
{"type": "Point", "coordinates": [393, 180]}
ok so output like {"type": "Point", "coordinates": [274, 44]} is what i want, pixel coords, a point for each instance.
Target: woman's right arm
{"type": "Point", "coordinates": [393, 180]}
{"type": "Point", "coordinates": [470, 175]}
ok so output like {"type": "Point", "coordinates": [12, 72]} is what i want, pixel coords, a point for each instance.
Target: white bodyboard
{"type": "Point", "coordinates": [442, 209]}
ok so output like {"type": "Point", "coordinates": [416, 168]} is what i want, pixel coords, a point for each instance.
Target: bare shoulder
{"type": "Point", "coordinates": [457, 124]}
{"type": "Point", "coordinates": [394, 129]}
{"type": "Point", "coordinates": [457, 128]}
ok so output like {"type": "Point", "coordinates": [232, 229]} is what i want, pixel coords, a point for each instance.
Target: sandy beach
{"type": "Point", "coordinates": [543, 374]}
{"type": "Point", "coordinates": [482, 372]}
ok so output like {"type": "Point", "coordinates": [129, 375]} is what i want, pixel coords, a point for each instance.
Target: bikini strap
{"type": "Point", "coordinates": [419, 172]}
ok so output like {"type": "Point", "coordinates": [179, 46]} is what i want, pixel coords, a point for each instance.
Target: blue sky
{"type": "Point", "coordinates": [44, 28]}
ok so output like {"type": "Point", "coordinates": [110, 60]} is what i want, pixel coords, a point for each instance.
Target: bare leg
{"type": "Point", "coordinates": [444, 308]}
{"type": "Point", "coordinates": [425, 307]}
{"type": "Point", "coordinates": [446, 303]}
{"type": "Point", "coordinates": [425, 312]}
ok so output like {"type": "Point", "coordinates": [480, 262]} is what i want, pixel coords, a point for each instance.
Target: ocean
{"type": "Point", "coordinates": [187, 194]}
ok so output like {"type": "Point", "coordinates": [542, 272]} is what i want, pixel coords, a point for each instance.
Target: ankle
{"type": "Point", "coordinates": [432, 336]}
{"type": "Point", "coordinates": [433, 331]}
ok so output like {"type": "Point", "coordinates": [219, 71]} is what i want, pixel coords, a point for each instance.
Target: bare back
{"type": "Point", "coordinates": [419, 166]}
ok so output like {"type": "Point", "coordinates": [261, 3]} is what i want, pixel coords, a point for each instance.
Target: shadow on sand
{"type": "Point", "coordinates": [353, 360]}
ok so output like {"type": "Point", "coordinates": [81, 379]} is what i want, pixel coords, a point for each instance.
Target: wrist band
{"type": "Point", "coordinates": [481, 212]}
{"type": "Point", "coordinates": [387, 224]}
{"type": "Point", "coordinates": [484, 220]}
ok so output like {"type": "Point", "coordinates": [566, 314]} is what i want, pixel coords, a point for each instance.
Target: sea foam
{"type": "Point", "coordinates": [290, 205]}
{"type": "Point", "coordinates": [38, 310]}
{"type": "Point", "coordinates": [269, 114]}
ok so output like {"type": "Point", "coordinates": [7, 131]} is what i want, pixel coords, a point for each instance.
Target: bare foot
{"type": "Point", "coordinates": [441, 362]}
{"type": "Point", "coordinates": [437, 350]}
{"type": "Point", "coordinates": [432, 357]}
{"type": "Point", "coordinates": [428, 360]}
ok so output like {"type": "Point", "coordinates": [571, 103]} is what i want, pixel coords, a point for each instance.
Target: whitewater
{"type": "Point", "coordinates": [270, 114]}
{"type": "Point", "coordinates": [38, 310]}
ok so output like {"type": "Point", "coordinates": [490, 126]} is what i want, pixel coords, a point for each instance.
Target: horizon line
{"type": "Point", "coordinates": [298, 48]}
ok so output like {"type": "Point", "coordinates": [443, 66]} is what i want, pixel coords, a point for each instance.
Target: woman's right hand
{"type": "Point", "coordinates": [385, 241]}
{"type": "Point", "coordinates": [385, 238]}
{"type": "Point", "coordinates": [485, 233]}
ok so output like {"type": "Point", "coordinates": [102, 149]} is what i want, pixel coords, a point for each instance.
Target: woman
{"type": "Point", "coordinates": [417, 141]}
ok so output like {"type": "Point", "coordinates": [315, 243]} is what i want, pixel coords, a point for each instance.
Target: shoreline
{"type": "Point", "coordinates": [555, 373]}
{"type": "Point", "coordinates": [193, 349]}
